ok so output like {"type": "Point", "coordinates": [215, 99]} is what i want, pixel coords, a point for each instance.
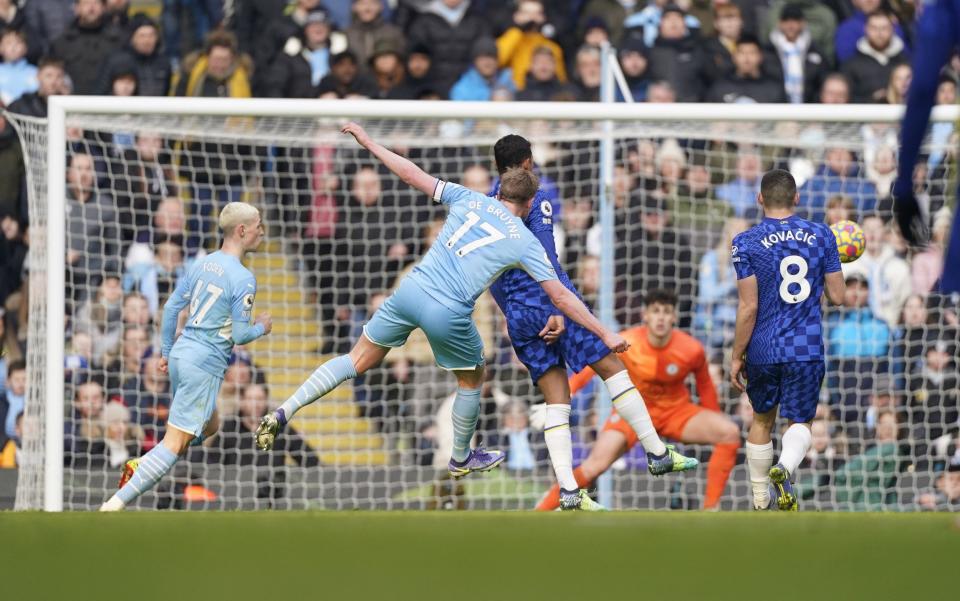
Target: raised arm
{"type": "Point", "coordinates": [403, 168]}
{"type": "Point", "coordinates": [746, 320]}
{"type": "Point", "coordinates": [572, 307]}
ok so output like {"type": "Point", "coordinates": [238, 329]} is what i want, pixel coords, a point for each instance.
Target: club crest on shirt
{"type": "Point", "coordinates": [672, 369]}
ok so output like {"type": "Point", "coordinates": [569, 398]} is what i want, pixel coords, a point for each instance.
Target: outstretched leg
{"type": "Point", "coordinates": [364, 355]}
{"type": "Point", "coordinates": [144, 473]}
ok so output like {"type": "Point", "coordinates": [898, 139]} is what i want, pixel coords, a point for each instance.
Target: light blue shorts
{"type": "Point", "coordinates": [452, 335]}
{"type": "Point", "coordinates": [194, 395]}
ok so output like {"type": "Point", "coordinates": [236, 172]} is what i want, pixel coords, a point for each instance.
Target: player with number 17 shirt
{"type": "Point", "coordinates": [783, 265]}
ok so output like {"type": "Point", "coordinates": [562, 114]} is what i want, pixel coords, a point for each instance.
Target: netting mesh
{"type": "Point", "coordinates": [143, 193]}
{"type": "Point", "coordinates": [33, 135]}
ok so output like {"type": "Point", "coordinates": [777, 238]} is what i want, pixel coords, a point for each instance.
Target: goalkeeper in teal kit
{"type": "Point", "coordinates": [219, 291]}
{"type": "Point", "coordinates": [482, 237]}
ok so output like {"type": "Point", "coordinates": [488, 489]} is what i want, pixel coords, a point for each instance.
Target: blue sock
{"type": "Point", "coordinates": [326, 377]}
{"type": "Point", "coordinates": [153, 466]}
{"type": "Point", "coordinates": [466, 412]}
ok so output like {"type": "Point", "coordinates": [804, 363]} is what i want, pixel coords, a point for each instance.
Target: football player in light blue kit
{"type": "Point", "coordinates": [219, 291]}
{"type": "Point", "coordinates": [482, 237]}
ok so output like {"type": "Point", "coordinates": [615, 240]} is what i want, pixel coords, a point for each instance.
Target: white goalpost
{"type": "Point", "coordinates": [341, 231]}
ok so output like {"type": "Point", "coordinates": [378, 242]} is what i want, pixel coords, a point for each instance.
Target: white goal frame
{"type": "Point", "coordinates": [60, 107]}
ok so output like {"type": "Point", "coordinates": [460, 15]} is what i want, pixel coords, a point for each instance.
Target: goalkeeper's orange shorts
{"type": "Point", "coordinates": [669, 421]}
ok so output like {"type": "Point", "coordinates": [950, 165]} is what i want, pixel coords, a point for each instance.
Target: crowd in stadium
{"type": "Point", "coordinates": [140, 206]}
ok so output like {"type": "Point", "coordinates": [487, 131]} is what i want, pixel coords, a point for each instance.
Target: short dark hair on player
{"type": "Point", "coordinates": [518, 185]}
{"type": "Point", "coordinates": [778, 189]}
{"type": "Point", "coordinates": [511, 151]}
{"type": "Point", "coordinates": [661, 296]}
{"type": "Point", "coordinates": [18, 365]}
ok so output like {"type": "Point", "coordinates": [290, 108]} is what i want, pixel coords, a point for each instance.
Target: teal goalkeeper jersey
{"type": "Point", "coordinates": [480, 240]}
{"type": "Point", "coordinates": [220, 292]}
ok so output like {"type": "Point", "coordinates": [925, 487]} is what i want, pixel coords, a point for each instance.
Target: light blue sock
{"type": "Point", "coordinates": [327, 377]}
{"type": "Point", "coordinates": [466, 412]}
{"type": "Point", "coordinates": [153, 466]}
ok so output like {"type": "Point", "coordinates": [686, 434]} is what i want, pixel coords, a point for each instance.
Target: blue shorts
{"type": "Point", "coordinates": [576, 348]}
{"type": "Point", "coordinates": [194, 394]}
{"type": "Point", "coordinates": [452, 335]}
{"type": "Point", "coordinates": [795, 387]}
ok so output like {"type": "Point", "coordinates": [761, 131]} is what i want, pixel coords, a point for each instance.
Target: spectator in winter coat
{"type": "Point", "coordinates": [142, 51]}
{"type": "Point", "coordinates": [542, 81]}
{"type": "Point", "coordinates": [368, 28]}
{"type": "Point", "coordinates": [86, 44]}
{"type": "Point", "coordinates": [50, 82]}
{"type": "Point", "coordinates": [305, 60]}
{"type": "Point", "coordinates": [855, 332]}
{"type": "Point", "coordinates": [345, 80]}
{"type": "Point", "coordinates": [612, 12]}
{"type": "Point", "coordinates": [517, 44]}
{"type": "Point", "coordinates": [587, 74]}
{"type": "Point", "coordinates": [270, 42]}
{"type": "Point", "coordinates": [449, 29]}
{"type": "Point", "coordinates": [821, 21]}
{"type": "Point", "coordinates": [677, 58]}
{"type": "Point", "coordinates": [887, 273]}
{"type": "Point", "coordinates": [647, 22]}
{"type": "Point", "coordinates": [93, 236]}
{"type": "Point", "coordinates": [480, 80]}
{"type": "Point", "coordinates": [802, 64]}
{"type": "Point", "coordinates": [718, 49]}
{"type": "Point", "coordinates": [17, 76]}
{"type": "Point", "coordinates": [216, 168]}
{"type": "Point", "coordinates": [386, 68]}
{"type": "Point", "coordinates": [634, 63]}
{"type": "Point", "coordinates": [868, 482]}
{"type": "Point", "coordinates": [748, 83]}
{"type": "Point", "coordinates": [835, 89]}
{"type": "Point", "coordinates": [741, 193]}
{"type": "Point", "coordinates": [46, 21]}
{"type": "Point", "coordinates": [839, 174]}
{"type": "Point", "coordinates": [878, 52]}
{"type": "Point", "coordinates": [851, 30]}
{"type": "Point", "coordinates": [419, 80]}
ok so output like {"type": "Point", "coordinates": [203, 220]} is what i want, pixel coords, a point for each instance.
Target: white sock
{"type": "Point", "coordinates": [629, 404]}
{"type": "Point", "coordinates": [759, 460]}
{"type": "Point", "coordinates": [112, 504]}
{"type": "Point", "coordinates": [556, 432]}
{"type": "Point", "coordinates": [796, 443]}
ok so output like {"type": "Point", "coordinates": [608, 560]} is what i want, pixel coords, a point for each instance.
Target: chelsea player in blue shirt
{"type": "Point", "coordinates": [481, 238]}
{"type": "Point", "coordinates": [547, 345]}
{"type": "Point", "coordinates": [783, 265]}
{"type": "Point", "coordinates": [220, 292]}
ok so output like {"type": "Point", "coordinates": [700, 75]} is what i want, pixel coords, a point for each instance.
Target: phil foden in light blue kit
{"type": "Point", "coordinates": [219, 291]}
{"type": "Point", "coordinates": [482, 238]}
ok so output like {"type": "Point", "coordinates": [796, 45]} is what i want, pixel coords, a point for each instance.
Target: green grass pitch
{"type": "Point", "coordinates": [459, 556]}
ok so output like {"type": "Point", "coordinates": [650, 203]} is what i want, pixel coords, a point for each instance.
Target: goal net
{"type": "Point", "coordinates": [140, 189]}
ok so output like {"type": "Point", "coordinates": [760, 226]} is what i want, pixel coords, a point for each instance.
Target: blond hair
{"type": "Point", "coordinates": [517, 185]}
{"type": "Point", "coordinates": [237, 213]}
